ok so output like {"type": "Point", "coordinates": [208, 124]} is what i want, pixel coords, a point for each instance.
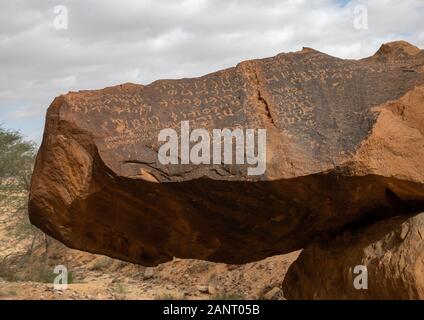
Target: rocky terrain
{"type": "Point", "coordinates": [27, 259]}
{"type": "Point", "coordinates": [344, 181]}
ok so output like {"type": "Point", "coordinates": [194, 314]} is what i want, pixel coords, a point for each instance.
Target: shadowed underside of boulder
{"type": "Point", "coordinates": [344, 143]}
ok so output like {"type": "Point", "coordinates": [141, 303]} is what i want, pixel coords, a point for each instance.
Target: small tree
{"type": "Point", "coordinates": [16, 161]}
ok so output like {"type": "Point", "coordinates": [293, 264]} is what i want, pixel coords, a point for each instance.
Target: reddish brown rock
{"type": "Point", "coordinates": [392, 251]}
{"type": "Point", "coordinates": [344, 141]}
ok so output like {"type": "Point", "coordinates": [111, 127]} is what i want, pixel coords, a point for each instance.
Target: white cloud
{"type": "Point", "coordinates": [110, 42]}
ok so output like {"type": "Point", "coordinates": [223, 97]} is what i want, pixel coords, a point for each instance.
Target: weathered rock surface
{"type": "Point", "coordinates": [344, 141]}
{"type": "Point", "coordinates": [392, 250]}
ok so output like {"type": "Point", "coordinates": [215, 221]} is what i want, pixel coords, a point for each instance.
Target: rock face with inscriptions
{"type": "Point", "coordinates": [344, 143]}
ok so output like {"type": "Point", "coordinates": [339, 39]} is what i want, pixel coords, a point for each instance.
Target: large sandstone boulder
{"type": "Point", "coordinates": [389, 255]}
{"type": "Point", "coordinates": [344, 141]}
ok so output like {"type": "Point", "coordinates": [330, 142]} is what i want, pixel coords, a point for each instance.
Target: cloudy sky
{"type": "Point", "coordinates": [109, 42]}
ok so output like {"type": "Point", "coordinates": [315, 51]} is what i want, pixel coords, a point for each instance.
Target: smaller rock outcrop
{"type": "Point", "coordinates": [392, 251]}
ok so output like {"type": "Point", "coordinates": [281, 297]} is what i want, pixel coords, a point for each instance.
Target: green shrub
{"type": "Point", "coordinates": [101, 264]}
{"type": "Point", "coordinates": [166, 296]}
{"type": "Point", "coordinates": [45, 274]}
{"type": "Point", "coordinates": [121, 288]}
{"type": "Point", "coordinates": [7, 292]}
{"type": "Point", "coordinates": [225, 296]}
{"type": "Point", "coordinates": [7, 273]}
